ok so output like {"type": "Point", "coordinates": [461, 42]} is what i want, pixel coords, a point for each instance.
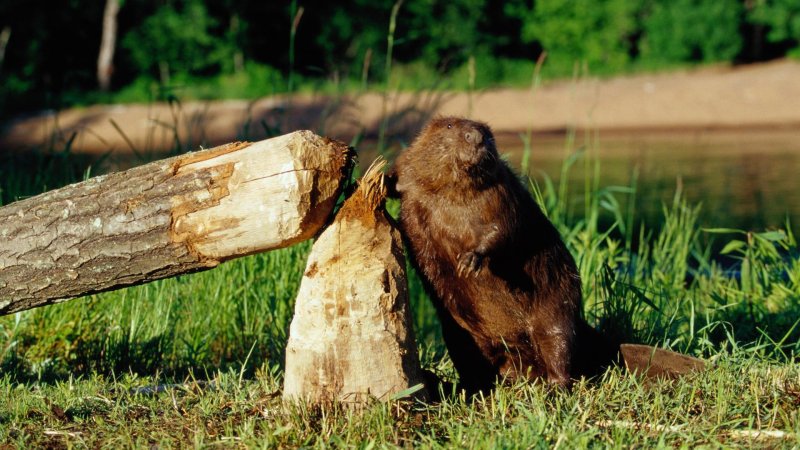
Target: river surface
{"type": "Point", "coordinates": [747, 179]}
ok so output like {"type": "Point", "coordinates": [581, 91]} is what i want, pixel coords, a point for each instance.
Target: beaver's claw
{"type": "Point", "coordinates": [469, 263]}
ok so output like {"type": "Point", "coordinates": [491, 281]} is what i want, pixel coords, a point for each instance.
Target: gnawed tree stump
{"type": "Point", "coordinates": [168, 217]}
{"type": "Point", "coordinates": [351, 337]}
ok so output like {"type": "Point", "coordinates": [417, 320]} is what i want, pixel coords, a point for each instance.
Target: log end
{"type": "Point", "coordinates": [366, 202]}
{"type": "Point", "coordinates": [351, 339]}
{"type": "Point", "coordinates": [256, 197]}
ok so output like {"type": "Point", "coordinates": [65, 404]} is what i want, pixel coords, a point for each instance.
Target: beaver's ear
{"type": "Point", "coordinates": [391, 183]}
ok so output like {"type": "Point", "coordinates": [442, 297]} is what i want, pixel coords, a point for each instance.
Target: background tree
{"type": "Point", "coordinates": [783, 16]}
{"type": "Point", "coordinates": [52, 50]}
{"type": "Point", "coordinates": [108, 44]}
{"type": "Point", "coordinates": [52, 60]}
{"type": "Point", "coordinates": [692, 31]}
{"type": "Point", "coordinates": [594, 32]}
{"type": "Point", "coordinates": [175, 38]}
{"type": "Point", "coordinates": [444, 34]}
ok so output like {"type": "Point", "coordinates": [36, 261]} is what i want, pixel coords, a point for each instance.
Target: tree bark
{"type": "Point", "coordinates": [108, 42]}
{"type": "Point", "coordinates": [174, 216]}
{"type": "Point", "coordinates": [5, 35]}
{"type": "Point", "coordinates": [351, 338]}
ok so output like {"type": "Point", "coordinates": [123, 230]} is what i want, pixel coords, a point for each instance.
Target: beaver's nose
{"type": "Point", "coordinates": [473, 136]}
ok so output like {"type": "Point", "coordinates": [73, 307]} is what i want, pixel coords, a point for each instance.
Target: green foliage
{"type": "Point", "coordinates": [692, 31]}
{"type": "Point", "coordinates": [783, 17]}
{"type": "Point", "coordinates": [448, 30]}
{"type": "Point", "coordinates": [355, 36]}
{"type": "Point", "coordinates": [174, 40]}
{"type": "Point", "coordinates": [52, 52]}
{"type": "Point", "coordinates": [252, 81]}
{"type": "Point", "coordinates": [440, 35]}
{"type": "Point", "coordinates": [491, 71]}
{"type": "Point", "coordinates": [47, 51]}
{"type": "Point", "coordinates": [583, 31]}
{"type": "Point", "coordinates": [766, 284]}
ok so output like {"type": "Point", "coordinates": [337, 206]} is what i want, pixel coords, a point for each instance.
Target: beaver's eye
{"type": "Point", "coordinates": [449, 125]}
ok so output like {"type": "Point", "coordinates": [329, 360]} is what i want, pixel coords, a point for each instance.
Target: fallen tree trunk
{"type": "Point", "coordinates": [169, 217]}
{"type": "Point", "coordinates": [351, 338]}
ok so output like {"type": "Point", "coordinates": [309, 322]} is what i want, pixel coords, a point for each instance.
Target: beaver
{"type": "Point", "coordinates": [505, 286]}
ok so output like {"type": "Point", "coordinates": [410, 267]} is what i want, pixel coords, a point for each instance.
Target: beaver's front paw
{"type": "Point", "coordinates": [469, 264]}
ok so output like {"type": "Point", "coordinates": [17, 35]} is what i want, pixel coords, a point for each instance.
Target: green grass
{"type": "Point", "coordinates": [740, 393]}
{"type": "Point", "coordinates": [73, 373]}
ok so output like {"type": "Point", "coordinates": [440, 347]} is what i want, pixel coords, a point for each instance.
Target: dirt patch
{"type": "Point", "coordinates": [758, 95]}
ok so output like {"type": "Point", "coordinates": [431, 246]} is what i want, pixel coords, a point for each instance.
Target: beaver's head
{"type": "Point", "coordinates": [450, 150]}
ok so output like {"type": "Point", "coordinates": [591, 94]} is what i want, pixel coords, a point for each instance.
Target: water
{"type": "Point", "coordinates": [744, 179]}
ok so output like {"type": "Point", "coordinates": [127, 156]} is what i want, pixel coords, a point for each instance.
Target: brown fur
{"type": "Point", "coordinates": [505, 286]}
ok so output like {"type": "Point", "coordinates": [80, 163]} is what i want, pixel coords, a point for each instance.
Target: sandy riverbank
{"type": "Point", "coordinates": [758, 96]}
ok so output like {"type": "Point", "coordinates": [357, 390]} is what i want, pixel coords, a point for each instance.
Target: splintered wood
{"type": "Point", "coordinates": [351, 338]}
{"type": "Point", "coordinates": [168, 217]}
